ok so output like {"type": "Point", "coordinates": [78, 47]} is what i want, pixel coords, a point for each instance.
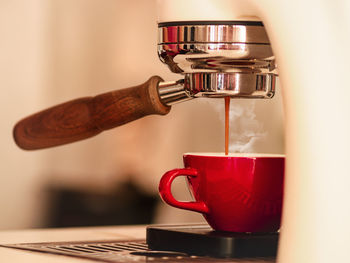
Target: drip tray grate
{"type": "Point", "coordinates": [121, 252]}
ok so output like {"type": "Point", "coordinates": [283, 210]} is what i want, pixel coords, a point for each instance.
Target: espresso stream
{"type": "Point", "coordinates": [227, 123]}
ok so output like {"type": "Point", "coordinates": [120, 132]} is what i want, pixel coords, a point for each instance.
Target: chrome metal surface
{"type": "Point", "coordinates": [218, 85]}
{"type": "Point", "coordinates": [121, 252]}
{"type": "Point", "coordinates": [235, 85]}
{"type": "Point", "coordinates": [173, 92]}
{"type": "Point", "coordinates": [219, 58]}
{"type": "Point", "coordinates": [213, 32]}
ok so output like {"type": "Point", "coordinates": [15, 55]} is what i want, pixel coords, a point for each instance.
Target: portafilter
{"type": "Point", "coordinates": [215, 59]}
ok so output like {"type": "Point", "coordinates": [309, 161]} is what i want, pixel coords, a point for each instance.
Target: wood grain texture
{"type": "Point", "coordinates": [86, 117]}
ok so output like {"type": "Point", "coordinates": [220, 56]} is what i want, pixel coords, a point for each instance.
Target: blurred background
{"type": "Point", "coordinates": [53, 51]}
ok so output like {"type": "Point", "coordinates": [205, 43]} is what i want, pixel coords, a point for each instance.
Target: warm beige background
{"type": "Point", "coordinates": [56, 50]}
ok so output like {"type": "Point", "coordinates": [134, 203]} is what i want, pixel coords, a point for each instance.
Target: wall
{"type": "Point", "coordinates": [23, 78]}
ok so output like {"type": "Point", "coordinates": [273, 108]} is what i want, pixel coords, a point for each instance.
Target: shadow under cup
{"type": "Point", "coordinates": [235, 192]}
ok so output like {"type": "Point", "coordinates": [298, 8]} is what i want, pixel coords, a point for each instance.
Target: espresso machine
{"type": "Point", "coordinates": [310, 41]}
{"type": "Point", "coordinates": [235, 48]}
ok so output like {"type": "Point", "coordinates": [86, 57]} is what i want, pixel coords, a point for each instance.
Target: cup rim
{"type": "Point", "coordinates": [235, 155]}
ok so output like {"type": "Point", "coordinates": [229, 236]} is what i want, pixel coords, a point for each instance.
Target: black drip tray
{"type": "Point", "coordinates": [201, 240]}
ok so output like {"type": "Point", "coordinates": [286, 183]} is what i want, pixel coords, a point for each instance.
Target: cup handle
{"type": "Point", "coordinates": [167, 196]}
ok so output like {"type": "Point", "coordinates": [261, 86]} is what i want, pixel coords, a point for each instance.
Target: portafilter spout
{"type": "Point", "coordinates": [215, 58]}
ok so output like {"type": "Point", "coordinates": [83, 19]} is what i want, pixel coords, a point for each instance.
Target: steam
{"type": "Point", "coordinates": [246, 132]}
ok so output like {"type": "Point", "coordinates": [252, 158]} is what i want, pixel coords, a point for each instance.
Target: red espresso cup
{"type": "Point", "coordinates": [235, 192]}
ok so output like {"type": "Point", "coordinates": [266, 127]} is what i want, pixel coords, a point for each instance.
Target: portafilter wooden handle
{"type": "Point", "coordinates": [85, 117]}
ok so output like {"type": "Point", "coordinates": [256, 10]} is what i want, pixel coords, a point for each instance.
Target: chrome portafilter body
{"type": "Point", "coordinates": [216, 59]}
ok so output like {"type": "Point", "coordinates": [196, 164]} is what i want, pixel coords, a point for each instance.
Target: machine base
{"type": "Point", "coordinates": [202, 240]}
